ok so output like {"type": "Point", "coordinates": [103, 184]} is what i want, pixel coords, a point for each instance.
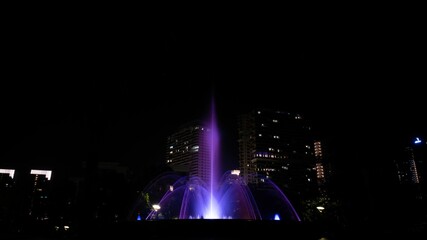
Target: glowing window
{"type": "Point", "coordinates": [195, 148]}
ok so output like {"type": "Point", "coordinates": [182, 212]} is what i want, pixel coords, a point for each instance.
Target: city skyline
{"type": "Point", "coordinates": [93, 98]}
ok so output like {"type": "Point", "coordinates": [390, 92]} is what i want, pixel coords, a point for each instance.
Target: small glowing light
{"type": "Point", "coordinates": [235, 172]}
{"type": "Point", "coordinates": [171, 188]}
{"type": "Point", "coordinates": [46, 173]}
{"type": "Point", "coordinates": [11, 172]}
{"type": "Point", "coordinates": [195, 148]}
{"type": "Point", "coordinates": [320, 208]}
{"type": "Point", "coordinates": [156, 207]}
{"type": "Point", "coordinates": [276, 217]}
{"type": "Point", "coordinates": [66, 228]}
{"type": "Point", "coordinates": [417, 140]}
{"type": "Point", "coordinates": [138, 218]}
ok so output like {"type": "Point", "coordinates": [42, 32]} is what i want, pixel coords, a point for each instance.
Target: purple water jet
{"type": "Point", "coordinates": [173, 196]}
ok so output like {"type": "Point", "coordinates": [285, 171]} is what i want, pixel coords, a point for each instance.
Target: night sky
{"type": "Point", "coordinates": [126, 82]}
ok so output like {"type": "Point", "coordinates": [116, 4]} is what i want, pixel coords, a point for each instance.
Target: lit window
{"type": "Point", "coordinates": [171, 152]}
{"type": "Point", "coordinates": [276, 137]}
{"type": "Point", "coordinates": [171, 147]}
{"type": "Point", "coordinates": [195, 148]}
{"type": "Point", "coordinates": [260, 135]}
{"type": "Point", "coordinates": [275, 120]}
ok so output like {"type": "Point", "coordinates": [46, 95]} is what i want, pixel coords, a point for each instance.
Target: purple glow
{"type": "Point", "coordinates": [213, 212]}
{"type": "Point", "coordinates": [206, 196]}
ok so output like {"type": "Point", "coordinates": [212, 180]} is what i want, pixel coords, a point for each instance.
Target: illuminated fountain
{"type": "Point", "coordinates": [173, 196]}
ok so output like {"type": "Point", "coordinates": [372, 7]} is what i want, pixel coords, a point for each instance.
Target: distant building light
{"type": "Point", "coordinates": [276, 217]}
{"type": "Point", "coordinates": [170, 147]}
{"type": "Point", "coordinates": [259, 112]}
{"type": "Point", "coordinates": [320, 208]}
{"type": "Point", "coordinates": [46, 173]}
{"type": "Point", "coordinates": [11, 172]}
{"type": "Point", "coordinates": [235, 172]}
{"type": "Point", "coordinates": [275, 120]}
{"type": "Point", "coordinates": [195, 148]}
{"type": "Point", "coordinates": [171, 188]}
{"type": "Point", "coordinates": [417, 140]}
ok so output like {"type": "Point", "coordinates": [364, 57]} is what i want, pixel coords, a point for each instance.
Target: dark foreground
{"type": "Point", "coordinates": [213, 229]}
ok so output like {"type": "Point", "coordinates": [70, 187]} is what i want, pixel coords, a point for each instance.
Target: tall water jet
{"type": "Point", "coordinates": [213, 140]}
{"type": "Point", "coordinates": [202, 194]}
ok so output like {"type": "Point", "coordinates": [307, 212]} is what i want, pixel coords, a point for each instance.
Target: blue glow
{"type": "Point", "coordinates": [276, 217]}
{"type": "Point", "coordinates": [138, 218]}
{"type": "Point", "coordinates": [417, 140]}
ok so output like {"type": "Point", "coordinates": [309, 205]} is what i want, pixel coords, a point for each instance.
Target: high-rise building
{"type": "Point", "coordinates": [39, 202]}
{"type": "Point", "coordinates": [279, 145]}
{"type": "Point", "coordinates": [320, 165]}
{"type": "Point", "coordinates": [188, 151]}
{"type": "Point", "coordinates": [411, 168]}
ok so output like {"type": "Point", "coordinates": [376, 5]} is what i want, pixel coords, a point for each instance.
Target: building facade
{"type": "Point", "coordinates": [280, 146]}
{"type": "Point", "coordinates": [188, 150]}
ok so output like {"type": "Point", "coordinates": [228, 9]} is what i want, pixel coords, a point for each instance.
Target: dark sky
{"type": "Point", "coordinates": [126, 82]}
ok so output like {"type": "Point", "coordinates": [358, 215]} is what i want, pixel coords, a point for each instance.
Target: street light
{"type": "Point", "coordinates": [156, 207]}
